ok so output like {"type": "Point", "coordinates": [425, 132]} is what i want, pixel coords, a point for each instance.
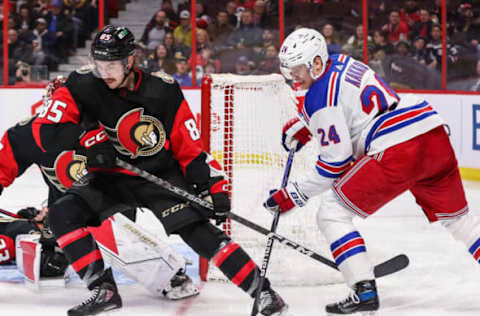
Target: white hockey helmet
{"type": "Point", "coordinates": [300, 48]}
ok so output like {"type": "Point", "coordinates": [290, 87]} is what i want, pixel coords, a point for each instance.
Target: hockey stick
{"type": "Point", "coordinates": [5, 212]}
{"type": "Point", "coordinates": [270, 240]}
{"type": "Point", "coordinates": [390, 266]}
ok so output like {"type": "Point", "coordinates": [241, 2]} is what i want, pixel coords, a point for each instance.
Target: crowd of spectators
{"type": "Point", "coordinates": [404, 40]}
{"type": "Point", "coordinates": [43, 33]}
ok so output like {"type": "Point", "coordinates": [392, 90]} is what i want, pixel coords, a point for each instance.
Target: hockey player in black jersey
{"type": "Point", "coordinates": [149, 125]}
{"type": "Point", "coordinates": [60, 168]}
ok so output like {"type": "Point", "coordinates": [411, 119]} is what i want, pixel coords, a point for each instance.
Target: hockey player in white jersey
{"type": "Point", "coordinates": [373, 145]}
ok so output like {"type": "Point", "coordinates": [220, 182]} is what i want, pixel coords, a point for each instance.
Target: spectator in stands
{"type": "Point", "coordinates": [354, 45]}
{"type": "Point", "coordinates": [62, 27]}
{"type": "Point", "coordinates": [23, 72]}
{"type": "Point", "coordinates": [419, 52]}
{"type": "Point", "coordinates": [464, 17]}
{"type": "Point", "coordinates": [43, 41]}
{"type": "Point", "coordinates": [261, 18]}
{"type": "Point", "coordinates": [231, 9]}
{"type": "Point", "coordinates": [141, 60]}
{"type": "Point", "coordinates": [434, 49]}
{"type": "Point", "coordinates": [159, 61]}
{"type": "Point", "coordinates": [381, 46]}
{"type": "Point", "coordinates": [473, 34]}
{"type": "Point", "coordinates": [423, 27]}
{"type": "Point", "coordinates": [155, 30]}
{"type": "Point", "coordinates": [26, 20]}
{"type": "Point", "coordinates": [270, 64]}
{"type": "Point", "coordinates": [475, 85]}
{"type": "Point", "coordinates": [220, 29]}
{"type": "Point", "coordinates": [169, 43]}
{"type": "Point", "coordinates": [328, 31]}
{"type": "Point", "coordinates": [243, 66]}
{"type": "Point", "coordinates": [167, 7]}
{"type": "Point", "coordinates": [181, 72]}
{"type": "Point", "coordinates": [409, 14]}
{"type": "Point", "coordinates": [183, 32]}
{"type": "Point", "coordinates": [18, 51]}
{"type": "Point", "coordinates": [402, 48]}
{"type": "Point", "coordinates": [396, 29]}
{"type": "Point", "coordinates": [259, 51]}
{"type": "Point", "coordinates": [210, 68]}
{"type": "Point", "coordinates": [247, 35]}
{"type": "Point", "coordinates": [203, 40]}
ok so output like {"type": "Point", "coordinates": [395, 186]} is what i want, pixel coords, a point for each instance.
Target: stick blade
{"type": "Point", "coordinates": [392, 265]}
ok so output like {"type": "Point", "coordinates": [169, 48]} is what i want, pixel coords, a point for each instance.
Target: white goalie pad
{"type": "Point", "coordinates": [131, 249]}
{"type": "Point", "coordinates": [27, 255]}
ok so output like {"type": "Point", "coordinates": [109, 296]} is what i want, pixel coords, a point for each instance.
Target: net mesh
{"type": "Point", "coordinates": [247, 114]}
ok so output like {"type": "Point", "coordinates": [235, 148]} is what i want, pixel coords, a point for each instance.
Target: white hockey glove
{"type": "Point", "coordinates": [285, 199]}
{"type": "Point", "coordinates": [295, 133]}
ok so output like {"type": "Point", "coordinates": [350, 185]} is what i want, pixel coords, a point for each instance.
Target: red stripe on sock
{"type": "Point", "coordinates": [70, 237]}
{"type": "Point", "coordinates": [243, 273]}
{"type": "Point", "coordinates": [349, 245]}
{"type": "Point", "coordinates": [86, 260]}
{"type": "Point", "coordinates": [224, 253]}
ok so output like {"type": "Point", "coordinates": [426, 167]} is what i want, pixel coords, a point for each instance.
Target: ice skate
{"type": "Point", "coordinates": [181, 286]}
{"type": "Point", "coordinates": [272, 304]}
{"type": "Point", "coordinates": [104, 297]}
{"type": "Point", "coordinates": [362, 301]}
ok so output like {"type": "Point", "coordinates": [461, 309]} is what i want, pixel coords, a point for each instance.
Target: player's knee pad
{"type": "Point", "coordinates": [332, 214]}
{"type": "Point", "coordinates": [204, 238]}
{"type": "Point", "coordinates": [465, 228]}
{"type": "Point", "coordinates": [67, 214]}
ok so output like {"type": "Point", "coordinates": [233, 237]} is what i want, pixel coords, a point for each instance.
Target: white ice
{"type": "Point", "coordinates": [442, 278]}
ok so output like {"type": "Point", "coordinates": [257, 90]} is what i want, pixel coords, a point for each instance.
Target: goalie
{"type": "Point", "coordinates": [60, 169]}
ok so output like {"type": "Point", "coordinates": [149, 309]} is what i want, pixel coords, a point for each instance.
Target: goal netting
{"type": "Point", "coordinates": [242, 120]}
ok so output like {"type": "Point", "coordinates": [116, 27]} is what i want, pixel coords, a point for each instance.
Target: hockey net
{"type": "Point", "coordinates": [242, 120]}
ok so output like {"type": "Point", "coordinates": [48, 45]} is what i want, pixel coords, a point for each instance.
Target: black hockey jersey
{"type": "Point", "coordinates": [60, 168]}
{"type": "Point", "coordinates": [8, 233]}
{"type": "Point", "coordinates": [151, 127]}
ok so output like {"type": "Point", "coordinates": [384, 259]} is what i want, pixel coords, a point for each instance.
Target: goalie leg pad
{"type": "Point", "coordinates": [135, 251]}
{"type": "Point", "coordinates": [466, 229]}
{"type": "Point", "coordinates": [347, 245]}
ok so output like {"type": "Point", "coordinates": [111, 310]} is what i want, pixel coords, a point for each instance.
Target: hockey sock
{"type": "Point", "coordinates": [83, 253]}
{"type": "Point", "coordinates": [212, 243]}
{"type": "Point", "coordinates": [466, 229]}
{"type": "Point", "coordinates": [238, 267]}
{"type": "Point", "coordinates": [67, 220]}
{"type": "Point", "coordinates": [347, 245]}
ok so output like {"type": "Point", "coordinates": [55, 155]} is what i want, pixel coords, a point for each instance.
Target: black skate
{"type": "Point", "coordinates": [272, 304]}
{"type": "Point", "coordinates": [363, 300]}
{"type": "Point", "coordinates": [180, 287]}
{"type": "Point", "coordinates": [104, 297]}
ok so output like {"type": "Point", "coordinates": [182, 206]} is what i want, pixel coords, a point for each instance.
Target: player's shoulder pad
{"type": "Point", "coordinates": [315, 99]}
{"type": "Point", "coordinates": [161, 86]}
{"type": "Point", "coordinates": [164, 76]}
{"type": "Point", "coordinates": [85, 69]}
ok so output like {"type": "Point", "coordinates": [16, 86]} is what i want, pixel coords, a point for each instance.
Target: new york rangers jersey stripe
{"type": "Point", "coordinates": [398, 119]}
{"type": "Point", "coordinates": [475, 250]}
{"type": "Point", "coordinates": [332, 169]}
{"type": "Point", "coordinates": [347, 246]}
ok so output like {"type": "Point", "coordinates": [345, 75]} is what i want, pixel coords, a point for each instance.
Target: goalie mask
{"type": "Point", "coordinates": [300, 48]}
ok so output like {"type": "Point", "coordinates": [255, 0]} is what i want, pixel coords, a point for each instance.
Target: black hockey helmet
{"type": "Point", "coordinates": [113, 43]}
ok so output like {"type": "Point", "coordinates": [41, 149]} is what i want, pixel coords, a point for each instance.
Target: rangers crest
{"type": "Point", "coordinates": [137, 134]}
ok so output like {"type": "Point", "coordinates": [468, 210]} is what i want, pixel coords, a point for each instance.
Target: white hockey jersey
{"type": "Point", "coordinates": [352, 112]}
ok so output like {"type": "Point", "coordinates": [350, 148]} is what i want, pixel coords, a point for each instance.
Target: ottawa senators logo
{"type": "Point", "coordinates": [67, 169]}
{"type": "Point", "coordinates": [137, 134]}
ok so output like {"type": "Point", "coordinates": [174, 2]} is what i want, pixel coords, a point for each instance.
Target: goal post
{"type": "Point", "coordinates": [241, 125]}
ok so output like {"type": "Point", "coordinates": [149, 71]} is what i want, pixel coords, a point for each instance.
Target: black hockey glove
{"type": "Point", "coordinates": [218, 194]}
{"type": "Point", "coordinates": [53, 262]}
{"type": "Point", "coordinates": [100, 152]}
{"type": "Point", "coordinates": [28, 212]}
